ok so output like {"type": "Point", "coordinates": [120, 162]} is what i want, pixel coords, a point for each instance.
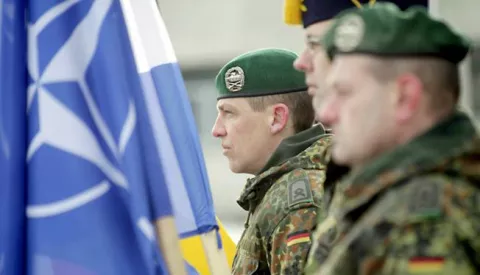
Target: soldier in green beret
{"type": "Point", "coordinates": [411, 203]}
{"type": "Point", "coordinates": [316, 17]}
{"type": "Point", "coordinates": [264, 121]}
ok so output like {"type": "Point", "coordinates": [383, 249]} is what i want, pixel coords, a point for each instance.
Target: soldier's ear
{"type": "Point", "coordinates": [408, 97]}
{"type": "Point", "coordinates": [279, 117]}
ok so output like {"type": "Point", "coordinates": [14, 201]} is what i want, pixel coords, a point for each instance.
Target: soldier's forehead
{"type": "Point", "coordinates": [356, 63]}
{"type": "Point", "coordinates": [228, 103]}
{"type": "Point", "coordinates": [317, 29]}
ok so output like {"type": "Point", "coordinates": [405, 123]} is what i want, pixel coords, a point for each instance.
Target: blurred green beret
{"type": "Point", "coordinates": [260, 73]}
{"type": "Point", "coordinates": [385, 30]}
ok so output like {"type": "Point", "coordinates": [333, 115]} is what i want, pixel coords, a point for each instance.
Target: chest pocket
{"type": "Point", "coordinates": [245, 264]}
{"type": "Point", "coordinates": [247, 258]}
{"type": "Point", "coordinates": [326, 235]}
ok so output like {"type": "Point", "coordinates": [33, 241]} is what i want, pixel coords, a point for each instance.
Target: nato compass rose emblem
{"type": "Point", "coordinates": [59, 127]}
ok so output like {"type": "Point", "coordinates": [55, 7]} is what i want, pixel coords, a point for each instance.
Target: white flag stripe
{"type": "Point", "coordinates": [156, 45]}
{"type": "Point", "coordinates": [134, 35]}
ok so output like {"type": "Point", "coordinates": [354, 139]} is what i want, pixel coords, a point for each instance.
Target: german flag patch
{"type": "Point", "coordinates": [298, 237]}
{"type": "Point", "coordinates": [420, 265]}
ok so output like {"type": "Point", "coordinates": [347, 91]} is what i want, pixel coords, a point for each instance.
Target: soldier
{"type": "Point", "coordinates": [265, 122]}
{"type": "Point", "coordinates": [411, 203]}
{"type": "Point", "coordinates": [316, 17]}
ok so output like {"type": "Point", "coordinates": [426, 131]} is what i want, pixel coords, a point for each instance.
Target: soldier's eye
{"type": "Point", "coordinates": [314, 43]}
{"type": "Point", "coordinates": [343, 92]}
{"type": "Point", "coordinates": [311, 46]}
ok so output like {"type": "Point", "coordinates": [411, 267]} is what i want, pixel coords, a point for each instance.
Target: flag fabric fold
{"type": "Point", "coordinates": [12, 135]}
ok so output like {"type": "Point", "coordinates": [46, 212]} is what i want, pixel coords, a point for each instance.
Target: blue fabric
{"type": "Point", "coordinates": [12, 136]}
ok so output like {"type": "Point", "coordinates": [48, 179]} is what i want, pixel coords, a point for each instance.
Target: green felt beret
{"type": "Point", "coordinates": [385, 30]}
{"type": "Point", "coordinates": [260, 73]}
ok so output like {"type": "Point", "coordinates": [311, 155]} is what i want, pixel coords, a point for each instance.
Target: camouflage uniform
{"type": "Point", "coordinates": [282, 202]}
{"type": "Point", "coordinates": [414, 209]}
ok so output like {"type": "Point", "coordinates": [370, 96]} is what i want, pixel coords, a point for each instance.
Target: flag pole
{"type": "Point", "coordinates": [169, 244]}
{"type": "Point", "coordinates": [216, 258]}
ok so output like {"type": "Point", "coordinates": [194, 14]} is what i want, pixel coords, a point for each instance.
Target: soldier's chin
{"type": "Point", "coordinates": [235, 167]}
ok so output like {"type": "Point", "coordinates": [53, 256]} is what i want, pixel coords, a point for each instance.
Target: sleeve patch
{"type": "Point", "coordinates": [299, 192]}
{"type": "Point", "coordinates": [425, 200]}
{"type": "Point", "coordinates": [298, 237]}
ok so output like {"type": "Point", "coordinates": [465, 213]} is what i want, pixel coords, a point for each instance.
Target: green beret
{"type": "Point", "coordinates": [260, 73]}
{"type": "Point", "coordinates": [385, 30]}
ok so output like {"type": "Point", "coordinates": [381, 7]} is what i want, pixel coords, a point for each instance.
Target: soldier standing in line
{"type": "Point", "coordinates": [317, 17]}
{"type": "Point", "coordinates": [411, 201]}
{"type": "Point", "coordinates": [265, 122]}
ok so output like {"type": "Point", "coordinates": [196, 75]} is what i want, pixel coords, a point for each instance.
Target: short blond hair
{"type": "Point", "coordinates": [298, 103]}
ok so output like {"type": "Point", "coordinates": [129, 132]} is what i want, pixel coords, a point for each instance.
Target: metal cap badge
{"type": "Point", "coordinates": [234, 79]}
{"type": "Point", "coordinates": [349, 33]}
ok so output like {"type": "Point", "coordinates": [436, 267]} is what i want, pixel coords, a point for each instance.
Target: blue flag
{"type": "Point", "coordinates": [112, 146]}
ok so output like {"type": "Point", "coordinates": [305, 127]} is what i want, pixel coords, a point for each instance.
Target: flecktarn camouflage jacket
{"type": "Point", "coordinates": [415, 210]}
{"type": "Point", "coordinates": [282, 202]}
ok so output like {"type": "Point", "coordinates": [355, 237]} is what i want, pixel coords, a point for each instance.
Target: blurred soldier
{"type": "Point", "coordinates": [265, 121]}
{"type": "Point", "coordinates": [316, 17]}
{"type": "Point", "coordinates": [411, 203]}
